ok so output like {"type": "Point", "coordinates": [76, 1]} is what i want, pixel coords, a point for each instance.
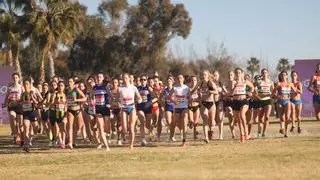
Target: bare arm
{"type": "Point", "coordinates": [300, 89]}
{"type": "Point", "coordinates": [82, 98]}
{"type": "Point", "coordinates": [137, 96]}
{"type": "Point", "coordinates": [310, 87]}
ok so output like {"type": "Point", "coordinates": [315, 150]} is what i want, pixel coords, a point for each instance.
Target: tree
{"type": "Point", "coordinates": [86, 49]}
{"type": "Point", "coordinates": [111, 11]}
{"type": "Point", "coordinates": [151, 25]}
{"type": "Point", "coordinates": [253, 66]}
{"type": "Point", "coordinates": [12, 29]}
{"type": "Point", "coordinates": [56, 22]}
{"type": "Point", "coordinates": [283, 65]}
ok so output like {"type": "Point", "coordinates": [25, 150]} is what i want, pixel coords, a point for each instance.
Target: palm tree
{"type": "Point", "coordinates": [11, 29]}
{"type": "Point", "coordinates": [283, 65]}
{"type": "Point", "coordinates": [55, 22]}
{"type": "Point", "coordinates": [253, 65]}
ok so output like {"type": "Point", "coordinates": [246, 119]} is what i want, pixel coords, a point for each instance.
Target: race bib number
{"type": "Point", "coordinates": [285, 90]}
{"type": "Point", "coordinates": [70, 102]}
{"type": "Point", "coordinates": [180, 99]}
{"type": "Point", "coordinates": [127, 101]}
{"type": "Point", "coordinates": [100, 100]}
{"type": "Point", "coordinates": [27, 106]}
{"type": "Point", "coordinates": [144, 98]}
{"type": "Point", "coordinates": [60, 107]}
{"type": "Point", "coordinates": [265, 89]}
{"type": "Point", "coordinates": [239, 91]}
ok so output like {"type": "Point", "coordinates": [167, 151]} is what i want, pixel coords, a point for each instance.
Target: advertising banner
{"type": "Point", "coordinates": [305, 69]}
{"type": "Point", "coordinates": [5, 79]}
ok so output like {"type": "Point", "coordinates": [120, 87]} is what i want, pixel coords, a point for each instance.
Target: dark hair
{"type": "Point", "coordinates": [171, 78]}
{"type": "Point", "coordinates": [264, 69]}
{"type": "Point", "coordinates": [90, 77]}
{"type": "Point", "coordinates": [317, 68]}
{"type": "Point", "coordinates": [15, 73]}
{"type": "Point", "coordinates": [60, 82]}
{"type": "Point", "coordinates": [238, 69]}
{"type": "Point", "coordinates": [257, 77]}
{"type": "Point", "coordinates": [292, 72]}
{"type": "Point", "coordinates": [280, 77]}
{"type": "Point", "coordinates": [27, 79]}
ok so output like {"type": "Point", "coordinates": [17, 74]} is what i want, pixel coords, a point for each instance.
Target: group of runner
{"type": "Point", "coordinates": [100, 110]}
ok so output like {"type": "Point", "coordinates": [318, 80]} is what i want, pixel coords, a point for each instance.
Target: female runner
{"type": "Point", "coordinates": [128, 94]}
{"type": "Point", "coordinates": [218, 97]}
{"type": "Point", "coordinates": [74, 97]}
{"type": "Point", "coordinates": [193, 106]}
{"type": "Point", "coordinates": [12, 101]}
{"type": "Point", "coordinates": [265, 88]}
{"type": "Point", "coordinates": [296, 102]}
{"type": "Point", "coordinates": [28, 102]}
{"type": "Point", "coordinates": [102, 106]}
{"type": "Point", "coordinates": [283, 92]}
{"type": "Point", "coordinates": [144, 108]}
{"type": "Point", "coordinates": [45, 109]}
{"type": "Point", "coordinates": [167, 95]}
{"type": "Point", "coordinates": [60, 110]}
{"type": "Point", "coordinates": [116, 109]}
{"type": "Point", "coordinates": [240, 103]}
{"type": "Point", "coordinates": [180, 115]}
{"type": "Point", "coordinates": [228, 102]}
{"type": "Point", "coordinates": [314, 88]}
{"type": "Point", "coordinates": [207, 90]}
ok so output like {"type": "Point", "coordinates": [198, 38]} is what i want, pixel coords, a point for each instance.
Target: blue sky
{"type": "Point", "coordinates": [267, 29]}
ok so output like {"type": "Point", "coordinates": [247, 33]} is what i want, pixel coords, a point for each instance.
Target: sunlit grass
{"type": "Point", "coordinates": [297, 157]}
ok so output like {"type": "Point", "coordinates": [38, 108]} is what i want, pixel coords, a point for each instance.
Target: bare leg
{"type": "Point", "coordinates": [132, 122]}
{"type": "Point", "coordinates": [70, 129]}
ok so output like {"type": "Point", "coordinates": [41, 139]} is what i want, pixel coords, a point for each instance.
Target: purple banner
{"type": "Point", "coordinates": [5, 78]}
{"type": "Point", "coordinates": [306, 68]}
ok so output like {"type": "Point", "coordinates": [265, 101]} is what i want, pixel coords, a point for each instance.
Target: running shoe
{"type": "Point", "coordinates": [113, 135]}
{"type": "Point", "coordinates": [26, 149]}
{"type": "Point", "coordinates": [50, 136]}
{"type": "Point", "coordinates": [206, 141]}
{"type": "Point", "coordinates": [242, 139]}
{"type": "Point", "coordinates": [18, 139]}
{"type": "Point", "coordinates": [281, 131]}
{"type": "Point", "coordinates": [285, 136]}
{"type": "Point", "coordinates": [30, 142]}
{"type": "Point", "coordinates": [119, 142]}
{"type": "Point", "coordinates": [210, 135]}
{"type": "Point", "coordinates": [143, 143]}
{"type": "Point", "coordinates": [299, 130]}
{"type": "Point", "coordinates": [172, 139]}
{"type": "Point", "coordinates": [195, 137]}
{"type": "Point", "coordinates": [99, 146]}
{"type": "Point", "coordinates": [69, 146]}
{"type": "Point", "coordinates": [292, 129]}
{"type": "Point", "coordinates": [248, 137]}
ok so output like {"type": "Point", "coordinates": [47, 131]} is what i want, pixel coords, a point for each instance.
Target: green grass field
{"type": "Point", "coordinates": [274, 157]}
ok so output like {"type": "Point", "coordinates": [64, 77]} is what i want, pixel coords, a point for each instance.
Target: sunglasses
{"type": "Point", "coordinates": [143, 79]}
